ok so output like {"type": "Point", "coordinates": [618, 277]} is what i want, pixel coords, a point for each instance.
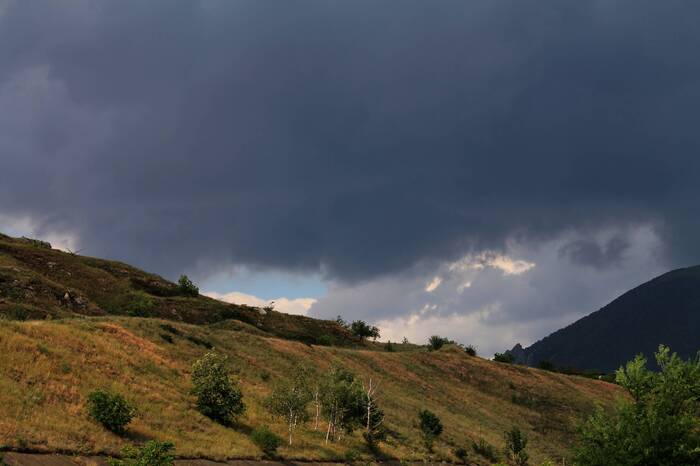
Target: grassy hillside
{"type": "Point", "coordinates": [39, 282]}
{"type": "Point", "coordinates": [49, 367]}
{"type": "Point", "coordinates": [71, 324]}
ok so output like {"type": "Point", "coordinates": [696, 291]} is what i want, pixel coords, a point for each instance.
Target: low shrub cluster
{"type": "Point", "coordinates": [111, 410]}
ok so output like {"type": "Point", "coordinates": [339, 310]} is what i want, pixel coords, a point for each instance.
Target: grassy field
{"type": "Point", "coordinates": [48, 367]}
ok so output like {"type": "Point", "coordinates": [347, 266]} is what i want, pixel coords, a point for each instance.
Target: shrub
{"type": "Point", "coordinates": [390, 346]}
{"type": "Point", "coordinates": [139, 305]}
{"type": "Point", "coordinates": [436, 342]}
{"type": "Point", "coordinates": [503, 357]}
{"type": "Point", "coordinates": [515, 446]}
{"type": "Point", "coordinates": [485, 450]}
{"type": "Point", "coordinates": [657, 424]}
{"type": "Point", "coordinates": [153, 453]}
{"type": "Point", "coordinates": [111, 410]}
{"type": "Point", "coordinates": [218, 397]}
{"type": "Point", "coordinates": [470, 350]}
{"type": "Point", "coordinates": [324, 340]}
{"type": "Point", "coordinates": [186, 287]}
{"type": "Point", "coordinates": [266, 440]}
{"type": "Point", "coordinates": [167, 337]}
{"type": "Point", "coordinates": [461, 454]}
{"type": "Point", "coordinates": [430, 427]}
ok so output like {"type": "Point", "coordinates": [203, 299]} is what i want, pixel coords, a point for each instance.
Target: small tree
{"type": "Point", "coordinates": [374, 431]}
{"type": "Point", "coordinates": [289, 399]}
{"type": "Point", "coordinates": [266, 440]}
{"type": "Point", "coordinates": [658, 426]}
{"type": "Point", "coordinates": [430, 427]}
{"type": "Point", "coordinates": [111, 410]}
{"type": "Point", "coordinates": [470, 350]}
{"type": "Point", "coordinates": [152, 453]}
{"type": "Point", "coordinates": [361, 329]}
{"type": "Point", "coordinates": [341, 402]}
{"type": "Point", "coordinates": [218, 397]}
{"type": "Point", "coordinates": [515, 446]}
{"type": "Point", "coordinates": [186, 287]}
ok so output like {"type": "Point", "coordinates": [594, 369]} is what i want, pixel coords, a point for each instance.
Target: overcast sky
{"type": "Point", "coordinates": [485, 170]}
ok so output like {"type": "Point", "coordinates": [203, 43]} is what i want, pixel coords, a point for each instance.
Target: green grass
{"type": "Point", "coordinates": [49, 367]}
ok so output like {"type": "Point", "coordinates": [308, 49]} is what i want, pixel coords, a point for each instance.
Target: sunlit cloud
{"type": "Point", "coordinates": [299, 306]}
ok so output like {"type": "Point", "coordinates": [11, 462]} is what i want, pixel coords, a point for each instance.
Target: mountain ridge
{"type": "Point", "coordinates": [664, 310]}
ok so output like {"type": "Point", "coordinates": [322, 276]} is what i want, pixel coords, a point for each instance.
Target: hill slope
{"type": "Point", "coordinates": [49, 367]}
{"type": "Point", "coordinates": [72, 324]}
{"type": "Point", "coordinates": [664, 310]}
{"type": "Point", "coordinates": [39, 282]}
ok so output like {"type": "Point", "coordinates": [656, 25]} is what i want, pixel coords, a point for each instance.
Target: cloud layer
{"type": "Point", "coordinates": [366, 141]}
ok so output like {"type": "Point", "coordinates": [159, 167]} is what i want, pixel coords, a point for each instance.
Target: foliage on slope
{"type": "Point", "coordinates": [48, 368]}
{"type": "Point", "coordinates": [38, 282]}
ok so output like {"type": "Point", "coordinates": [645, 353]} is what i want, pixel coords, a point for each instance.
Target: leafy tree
{"type": "Point", "coordinates": [152, 453]}
{"type": "Point", "coordinates": [266, 440]}
{"type": "Point", "coordinates": [361, 329]}
{"type": "Point", "coordinates": [290, 398]}
{"type": "Point", "coordinates": [218, 397]}
{"type": "Point", "coordinates": [430, 427]}
{"type": "Point", "coordinates": [515, 446]}
{"type": "Point", "coordinates": [111, 410]}
{"type": "Point", "coordinates": [186, 287]}
{"type": "Point", "coordinates": [659, 426]}
{"type": "Point", "coordinates": [341, 397]}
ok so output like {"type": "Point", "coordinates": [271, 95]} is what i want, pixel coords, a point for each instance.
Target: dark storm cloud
{"type": "Point", "coordinates": [357, 137]}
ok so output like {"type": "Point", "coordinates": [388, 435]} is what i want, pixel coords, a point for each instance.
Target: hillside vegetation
{"type": "Point", "coordinates": [38, 282]}
{"type": "Point", "coordinates": [56, 350]}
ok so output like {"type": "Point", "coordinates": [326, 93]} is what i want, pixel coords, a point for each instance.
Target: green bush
{"type": "Point", "coordinates": [267, 441]}
{"type": "Point", "coordinates": [515, 446]}
{"type": "Point", "coordinates": [186, 287]}
{"type": "Point", "coordinates": [503, 357]}
{"type": "Point", "coordinates": [152, 453]}
{"type": "Point", "coordinates": [430, 427]}
{"type": "Point", "coordinates": [436, 342]}
{"type": "Point", "coordinates": [218, 397]}
{"type": "Point", "coordinates": [657, 424]}
{"type": "Point", "coordinates": [324, 340]}
{"type": "Point", "coordinates": [111, 410]}
{"type": "Point", "coordinates": [470, 350]}
{"type": "Point", "coordinates": [139, 305]}
{"type": "Point", "coordinates": [389, 347]}
{"type": "Point", "coordinates": [485, 450]}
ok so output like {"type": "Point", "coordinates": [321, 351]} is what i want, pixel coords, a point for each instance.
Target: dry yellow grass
{"type": "Point", "coordinates": [47, 368]}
